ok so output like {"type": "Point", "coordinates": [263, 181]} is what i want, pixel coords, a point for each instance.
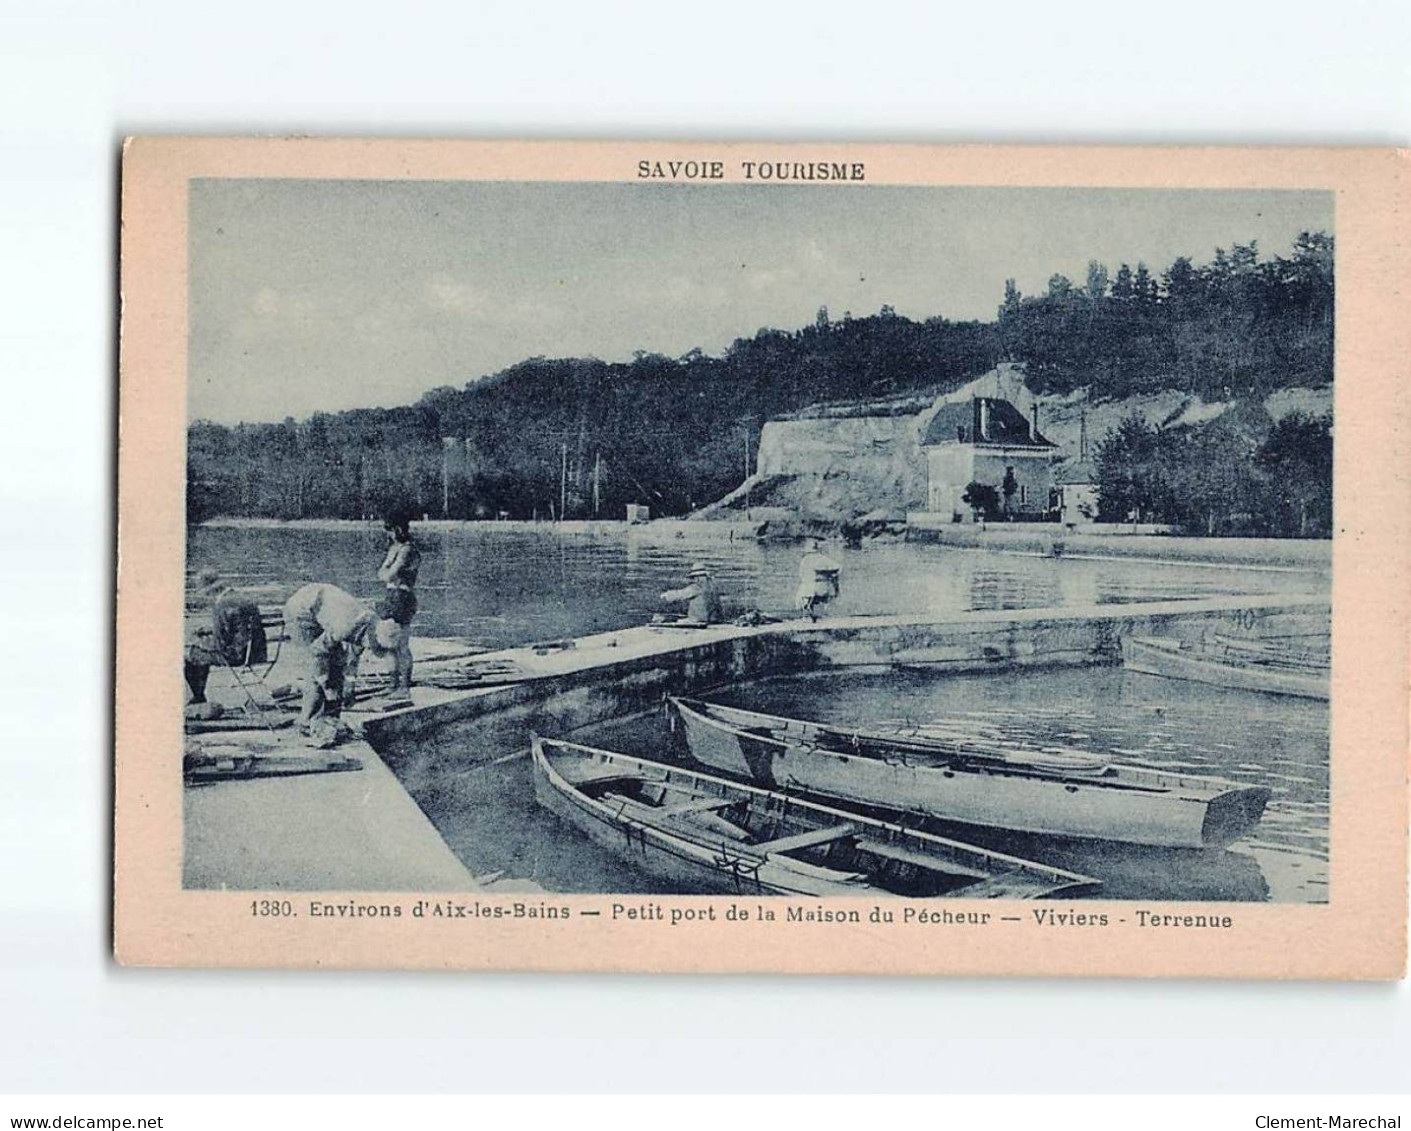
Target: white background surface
{"type": "Point", "coordinates": [76, 76]}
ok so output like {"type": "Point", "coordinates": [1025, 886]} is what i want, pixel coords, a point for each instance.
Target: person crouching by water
{"type": "Point", "coordinates": [701, 596]}
{"type": "Point", "coordinates": [398, 572]}
{"type": "Point", "coordinates": [818, 579]}
{"type": "Point", "coordinates": [334, 628]}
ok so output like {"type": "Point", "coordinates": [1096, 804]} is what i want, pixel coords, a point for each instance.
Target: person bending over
{"type": "Point", "coordinates": [333, 628]}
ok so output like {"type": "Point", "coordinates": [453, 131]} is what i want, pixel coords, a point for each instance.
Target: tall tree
{"type": "Point", "coordinates": [1096, 286]}
{"type": "Point", "coordinates": [1122, 289]}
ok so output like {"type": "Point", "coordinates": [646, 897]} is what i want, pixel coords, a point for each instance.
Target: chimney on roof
{"type": "Point", "coordinates": [1034, 424]}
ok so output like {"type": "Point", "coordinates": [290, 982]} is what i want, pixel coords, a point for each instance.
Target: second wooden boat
{"type": "Point", "coordinates": [703, 833]}
{"type": "Point", "coordinates": [1055, 793]}
{"type": "Point", "coordinates": [1238, 665]}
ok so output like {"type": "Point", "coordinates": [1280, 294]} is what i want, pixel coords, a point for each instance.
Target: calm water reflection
{"type": "Point", "coordinates": [504, 585]}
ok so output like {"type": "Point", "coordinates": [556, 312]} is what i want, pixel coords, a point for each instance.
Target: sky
{"type": "Point", "coordinates": [319, 296]}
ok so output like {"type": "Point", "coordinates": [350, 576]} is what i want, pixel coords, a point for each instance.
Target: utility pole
{"type": "Point", "coordinates": [563, 483]}
{"type": "Point", "coordinates": [446, 442]}
{"type": "Point", "coordinates": [747, 473]}
{"type": "Point", "coordinates": [597, 481]}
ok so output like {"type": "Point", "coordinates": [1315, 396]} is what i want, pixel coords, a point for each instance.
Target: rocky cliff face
{"type": "Point", "coordinates": [840, 463]}
{"type": "Point", "coordinates": [840, 467]}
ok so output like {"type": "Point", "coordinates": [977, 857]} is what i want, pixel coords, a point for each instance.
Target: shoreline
{"type": "Point", "coordinates": [569, 526]}
{"type": "Point", "coordinates": [1282, 554]}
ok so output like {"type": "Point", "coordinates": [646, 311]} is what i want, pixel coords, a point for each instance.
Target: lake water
{"type": "Point", "coordinates": [503, 586]}
{"type": "Point", "coordinates": [488, 816]}
{"type": "Point", "coordinates": [500, 584]}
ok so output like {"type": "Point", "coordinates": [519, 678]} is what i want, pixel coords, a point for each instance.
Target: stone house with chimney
{"type": "Point", "coordinates": [987, 440]}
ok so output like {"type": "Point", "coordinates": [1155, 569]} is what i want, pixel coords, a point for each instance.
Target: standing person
{"type": "Point", "coordinates": [398, 572]}
{"type": "Point", "coordinates": [334, 628]}
{"type": "Point", "coordinates": [818, 579]}
{"type": "Point", "coordinates": [701, 596]}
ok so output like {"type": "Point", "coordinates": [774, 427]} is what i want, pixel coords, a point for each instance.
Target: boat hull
{"type": "Point", "coordinates": [1150, 657]}
{"type": "Point", "coordinates": [682, 867]}
{"type": "Point", "coordinates": [993, 797]}
{"type": "Point", "coordinates": [713, 865]}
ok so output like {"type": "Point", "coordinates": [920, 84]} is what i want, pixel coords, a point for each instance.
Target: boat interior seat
{"type": "Point", "coordinates": [595, 783]}
{"type": "Point", "coordinates": [690, 822]}
{"type": "Point", "coordinates": [906, 855]}
{"type": "Point", "coordinates": [825, 874]}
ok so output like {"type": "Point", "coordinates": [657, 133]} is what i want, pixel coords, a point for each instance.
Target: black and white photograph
{"type": "Point", "coordinates": [792, 536]}
{"type": "Point", "coordinates": [655, 566]}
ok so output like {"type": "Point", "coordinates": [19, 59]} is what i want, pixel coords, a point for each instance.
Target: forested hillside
{"type": "Point", "coordinates": [1238, 326]}
{"type": "Point", "coordinates": [669, 432]}
{"type": "Point", "coordinates": [587, 435]}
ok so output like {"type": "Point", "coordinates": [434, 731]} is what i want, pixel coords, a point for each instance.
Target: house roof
{"type": "Point", "coordinates": [951, 422]}
{"type": "Point", "coordinates": [983, 421]}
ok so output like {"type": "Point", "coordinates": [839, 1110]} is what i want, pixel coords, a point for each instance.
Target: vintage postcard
{"type": "Point", "coordinates": [763, 557]}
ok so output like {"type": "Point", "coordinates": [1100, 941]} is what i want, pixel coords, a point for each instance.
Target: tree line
{"type": "Point", "coordinates": [1236, 327]}
{"type": "Point", "coordinates": [1230, 477]}
{"type": "Point", "coordinates": [581, 436]}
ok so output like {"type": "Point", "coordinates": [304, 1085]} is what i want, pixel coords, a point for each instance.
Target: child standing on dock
{"type": "Point", "coordinates": [399, 572]}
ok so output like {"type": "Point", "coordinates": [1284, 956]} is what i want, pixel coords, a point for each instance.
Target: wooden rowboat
{"type": "Point", "coordinates": [702, 833]}
{"type": "Point", "coordinates": [957, 779]}
{"type": "Point", "coordinates": [1239, 665]}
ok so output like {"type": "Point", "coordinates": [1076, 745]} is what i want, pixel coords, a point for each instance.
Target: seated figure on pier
{"type": "Point", "coordinates": [703, 605]}
{"type": "Point", "coordinates": [223, 627]}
